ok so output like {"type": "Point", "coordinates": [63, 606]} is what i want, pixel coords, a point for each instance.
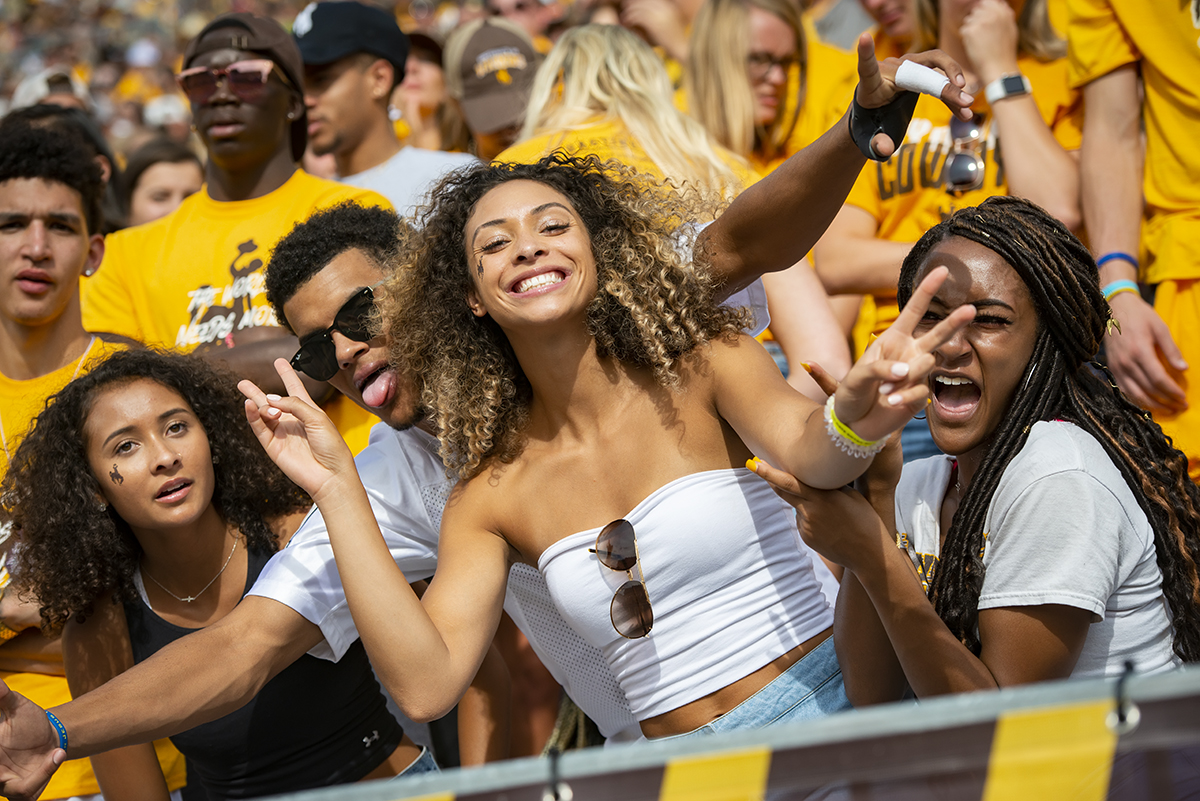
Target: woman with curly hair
{"type": "Point", "coordinates": [582, 373]}
{"type": "Point", "coordinates": [146, 510]}
{"type": "Point", "coordinates": [1060, 536]}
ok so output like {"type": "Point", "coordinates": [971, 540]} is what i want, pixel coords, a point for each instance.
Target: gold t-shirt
{"type": "Point", "coordinates": [1163, 39]}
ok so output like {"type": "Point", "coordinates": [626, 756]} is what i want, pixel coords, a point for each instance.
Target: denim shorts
{"type": "Point", "coordinates": [810, 689]}
{"type": "Point", "coordinates": [425, 763]}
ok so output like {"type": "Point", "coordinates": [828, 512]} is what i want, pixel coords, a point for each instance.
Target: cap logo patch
{"type": "Point", "coordinates": [500, 59]}
{"type": "Point", "coordinates": [303, 23]}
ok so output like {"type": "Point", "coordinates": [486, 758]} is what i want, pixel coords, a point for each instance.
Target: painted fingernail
{"type": "Point", "coordinates": [900, 369]}
{"type": "Point", "coordinates": [752, 464]}
{"type": "Point", "coordinates": [807, 367]}
{"type": "Point", "coordinates": [885, 389]}
{"type": "Point", "coordinates": [895, 399]}
{"type": "Point", "coordinates": [273, 412]}
{"type": "Point", "coordinates": [272, 396]}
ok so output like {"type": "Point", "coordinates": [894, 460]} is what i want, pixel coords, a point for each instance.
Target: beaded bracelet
{"type": "Point", "coordinates": [58, 727]}
{"type": "Point", "coordinates": [1117, 287]}
{"type": "Point", "coordinates": [845, 438]}
{"type": "Point", "coordinates": [1117, 255]}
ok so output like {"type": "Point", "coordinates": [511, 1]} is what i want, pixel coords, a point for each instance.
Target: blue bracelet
{"type": "Point", "coordinates": [1117, 287]}
{"type": "Point", "coordinates": [1118, 256]}
{"type": "Point", "coordinates": [58, 727]}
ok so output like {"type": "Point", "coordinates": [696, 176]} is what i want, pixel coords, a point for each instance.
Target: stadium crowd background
{"type": "Point", "coordinates": [117, 62]}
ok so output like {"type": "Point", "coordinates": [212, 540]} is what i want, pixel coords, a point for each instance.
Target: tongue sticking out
{"type": "Point", "coordinates": [378, 389]}
{"type": "Point", "coordinates": [956, 397]}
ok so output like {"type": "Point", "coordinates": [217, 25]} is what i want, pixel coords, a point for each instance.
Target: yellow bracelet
{"type": "Point", "coordinates": [845, 438]}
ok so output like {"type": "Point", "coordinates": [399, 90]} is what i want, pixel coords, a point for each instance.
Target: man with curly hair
{"type": "Point", "coordinates": [50, 221]}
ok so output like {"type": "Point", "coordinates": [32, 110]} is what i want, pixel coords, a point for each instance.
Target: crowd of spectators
{"type": "Point", "coordinates": [215, 161]}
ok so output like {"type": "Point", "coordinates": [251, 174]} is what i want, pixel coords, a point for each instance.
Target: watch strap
{"type": "Point", "coordinates": [1007, 86]}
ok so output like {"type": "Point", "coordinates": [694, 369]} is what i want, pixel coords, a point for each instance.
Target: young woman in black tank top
{"type": "Point", "coordinates": [147, 510]}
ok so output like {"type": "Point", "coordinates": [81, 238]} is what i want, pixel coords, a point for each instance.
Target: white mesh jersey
{"type": "Point", "coordinates": [407, 486]}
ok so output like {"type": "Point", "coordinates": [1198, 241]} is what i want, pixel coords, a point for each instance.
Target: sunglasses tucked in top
{"type": "Point", "coordinates": [356, 320]}
{"type": "Point", "coordinates": [245, 79]}
{"type": "Point", "coordinates": [616, 549]}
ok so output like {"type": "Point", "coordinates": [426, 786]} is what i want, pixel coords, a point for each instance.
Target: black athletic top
{"type": "Point", "coordinates": [315, 724]}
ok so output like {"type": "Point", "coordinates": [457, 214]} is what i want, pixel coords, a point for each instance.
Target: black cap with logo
{"type": "Point", "coordinates": [327, 32]}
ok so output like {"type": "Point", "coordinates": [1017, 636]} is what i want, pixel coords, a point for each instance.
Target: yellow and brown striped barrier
{"type": "Point", "coordinates": [1072, 740]}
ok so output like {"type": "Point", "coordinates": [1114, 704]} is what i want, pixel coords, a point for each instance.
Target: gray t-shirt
{"type": "Point", "coordinates": [407, 177]}
{"type": "Point", "coordinates": [1063, 528]}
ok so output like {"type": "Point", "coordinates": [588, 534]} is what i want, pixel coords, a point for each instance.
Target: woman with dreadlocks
{"type": "Point", "coordinates": [1060, 537]}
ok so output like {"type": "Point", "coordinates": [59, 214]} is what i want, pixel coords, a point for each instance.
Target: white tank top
{"type": "Point", "coordinates": [730, 587]}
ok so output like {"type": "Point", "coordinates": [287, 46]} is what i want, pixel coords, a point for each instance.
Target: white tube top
{"type": "Point", "coordinates": [730, 587]}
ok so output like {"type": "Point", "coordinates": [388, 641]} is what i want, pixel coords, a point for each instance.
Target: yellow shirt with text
{"type": "Point", "coordinates": [1163, 40]}
{"type": "Point", "coordinates": [906, 194]}
{"type": "Point", "coordinates": [20, 403]}
{"type": "Point", "coordinates": [195, 277]}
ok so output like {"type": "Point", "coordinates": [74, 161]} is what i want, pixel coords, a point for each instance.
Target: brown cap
{"type": "Point", "coordinates": [266, 37]}
{"type": "Point", "coordinates": [489, 66]}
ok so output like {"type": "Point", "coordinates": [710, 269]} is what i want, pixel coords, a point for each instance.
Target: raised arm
{"type": "Point", "coordinates": [426, 651]}
{"type": "Point", "coordinates": [878, 396]}
{"type": "Point", "coordinates": [777, 220]}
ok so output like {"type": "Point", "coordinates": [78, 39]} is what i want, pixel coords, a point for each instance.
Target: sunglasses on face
{"type": "Point", "coordinates": [964, 167]}
{"type": "Point", "coordinates": [317, 357]}
{"type": "Point", "coordinates": [630, 612]}
{"type": "Point", "coordinates": [245, 79]}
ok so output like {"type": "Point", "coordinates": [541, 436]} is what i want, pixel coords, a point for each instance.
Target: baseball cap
{"type": "Point", "coordinates": [266, 37]}
{"type": "Point", "coordinates": [330, 31]}
{"type": "Point", "coordinates": [489, 66]}
{"type": "Point", "coordinates": [54, 80]}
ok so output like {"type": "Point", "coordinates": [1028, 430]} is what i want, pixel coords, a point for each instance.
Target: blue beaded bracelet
{"type": "Point", "coordinates": [1117, 287]}
{"type": "Point", "coordinates": [58, 727]}
{"type": "Point", "coordinates": [1117, 256]}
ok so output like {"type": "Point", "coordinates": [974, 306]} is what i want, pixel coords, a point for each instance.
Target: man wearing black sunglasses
{"type": "Point", "coordinates": [194, 279]}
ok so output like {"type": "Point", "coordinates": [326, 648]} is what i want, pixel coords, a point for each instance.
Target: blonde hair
{"type": "Point", "coordinates": [606, 70]}
{"type": "Point", "coordinates": [717, 78]}
{"type": "Point", "coordinates": [1035, 35]}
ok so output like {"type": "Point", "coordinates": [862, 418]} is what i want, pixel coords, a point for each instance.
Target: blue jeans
{"type": "Point", "coordinates": [425, 763]}
{"type": "Point", "coordinates": [810, 689]}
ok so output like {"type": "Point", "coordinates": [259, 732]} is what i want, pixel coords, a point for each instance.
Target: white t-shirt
{"type": "Point", "coordinates": [407, 177]}
{"type": "Point", "coordinates": [407, 486]}
{"type": "Point", "coordinates": [1063, 528]}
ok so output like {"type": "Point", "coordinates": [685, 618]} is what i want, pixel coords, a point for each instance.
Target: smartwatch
{"type": "Point", "coordinates": [1007, 86]}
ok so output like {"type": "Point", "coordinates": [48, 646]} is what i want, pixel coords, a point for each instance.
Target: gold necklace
{"type": "Point", "coordinates": [74, 375]}
{"type": "Point", "coordinates": [191, 598]}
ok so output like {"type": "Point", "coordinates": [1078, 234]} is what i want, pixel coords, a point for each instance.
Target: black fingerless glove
{"type": "Point", "coordinates": [891, 119]}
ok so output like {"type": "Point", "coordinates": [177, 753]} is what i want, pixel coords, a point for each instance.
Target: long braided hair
{"type": "Point", "coordinates": [1060, 383]}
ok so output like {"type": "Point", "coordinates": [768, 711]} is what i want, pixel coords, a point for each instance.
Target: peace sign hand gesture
{"type": "Point", "coordinates": [888, 385]}
{"type": "Point", "coordinates": [298, 436]}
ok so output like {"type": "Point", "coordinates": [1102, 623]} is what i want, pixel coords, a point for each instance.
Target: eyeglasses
{"type": "Point", "coordinates": [245, 79]}
{"type": "Point", "coordinates": [317, 357]}
{"type": "Point", "coordinates": [964, 167]}
{"type": "Point", "coordinates": [759, 64]}
{"type": "Point", "coordinates": [616, 548]}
